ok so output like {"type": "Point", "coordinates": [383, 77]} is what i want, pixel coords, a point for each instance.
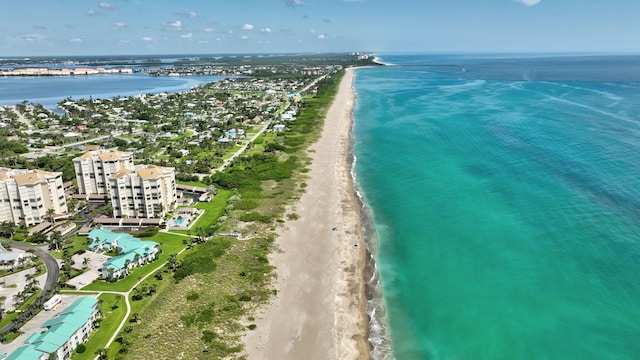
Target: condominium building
{"type": "Point", "coordinates": [62, 334]}
{"type": "Point", "coordinates": [28, 195]}
{"type": "Point", "coordinates": [146, 191]}
{"type": "Point", "coordinates": [94, 168]}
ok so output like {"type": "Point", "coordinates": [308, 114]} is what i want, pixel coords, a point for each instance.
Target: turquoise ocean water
{"type": "Point", "coordinates": [505, 197]}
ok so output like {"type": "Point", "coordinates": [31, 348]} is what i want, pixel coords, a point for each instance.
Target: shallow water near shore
{"type": "Point", "coordinates": [504, 197]}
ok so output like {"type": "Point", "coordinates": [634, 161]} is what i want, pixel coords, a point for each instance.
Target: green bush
{"type": "Point", "coordinates": [254, 216]}
{"type": "Point", "coordinates": [81, 348]}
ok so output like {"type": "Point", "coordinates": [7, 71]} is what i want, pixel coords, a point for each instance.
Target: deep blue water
{"type": "Point", "coordinates": [48, 91]}
{"type": "Point", "coordinates": [505, 194]}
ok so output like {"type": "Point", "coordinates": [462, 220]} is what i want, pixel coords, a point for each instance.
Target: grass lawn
{"type": "Point", "coordinates": [192, 183]}
{"type": "Point", "coordinates": [78, 243]}
{"type": "Point", "coordinates": [213, 209]}
{"type": "Point", "coordinates": [12, 315]}
{"type": "Point", "coordinates": [111, 318]}
{"type": "Point", "coordinates": [169, 244]}
{"type": "Point", "coordinates": [230, 152]}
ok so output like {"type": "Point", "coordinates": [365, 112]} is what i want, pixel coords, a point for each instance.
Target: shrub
{"type": "Point", "coordinates": [81, 348]}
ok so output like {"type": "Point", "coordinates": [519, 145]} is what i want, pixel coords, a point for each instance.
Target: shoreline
{"type": "Point", "coordinates": [320, 311]}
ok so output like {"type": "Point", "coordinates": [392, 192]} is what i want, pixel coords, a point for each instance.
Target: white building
{"type": "Point", "coordinates": [28, 194]}
{"type": "Point", "coordinates": [145, 191]}
{"type": "Point", "coordinates": [61, 334]}
{"type": "Point", "coordinates": [94, 168]}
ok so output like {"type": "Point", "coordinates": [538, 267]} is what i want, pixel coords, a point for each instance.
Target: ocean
{"type": "Point", "coordinates": [503, 198]}
{"type": "Point", "coordinates": [48, 91]}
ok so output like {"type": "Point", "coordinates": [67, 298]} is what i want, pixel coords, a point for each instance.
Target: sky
{"type": "Point", "coordinates": [146, 27]}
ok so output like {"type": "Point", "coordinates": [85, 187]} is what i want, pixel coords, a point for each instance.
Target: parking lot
{"type": "Point", "coordinates": [93, 266]}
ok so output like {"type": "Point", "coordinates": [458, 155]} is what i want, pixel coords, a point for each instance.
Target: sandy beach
{"type": "Point", "coordinates": [320, 309]}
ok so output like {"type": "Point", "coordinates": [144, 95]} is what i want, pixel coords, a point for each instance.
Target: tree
{"type": "Point", "coordinates": [56, 239]}
{"type": "Point", "coordinates": [7, 228]}
{"type": "Point", "coordinates": [85, 262]}
{"type": "Point", "coordinates": [201, 234]}
{"type": "Point", "coordinates": [2, 300]}
{"type": "Point", "coordinates": [38, 238]}
{"type": "Point", "coordinates": [102, 354]}
{"type": "Point", "coordinates": [50, 212]}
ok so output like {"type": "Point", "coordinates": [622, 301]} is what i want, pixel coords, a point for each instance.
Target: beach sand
{"type": "Point", "coordinates": [320, 309]}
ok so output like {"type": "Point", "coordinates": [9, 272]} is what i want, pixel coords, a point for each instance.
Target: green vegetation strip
{"type": "Point", "coordinates": [112, 307]}
{"type": "Point", "coordinates": [208, 295]}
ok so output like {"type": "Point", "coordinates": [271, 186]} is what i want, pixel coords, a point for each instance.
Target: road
{"type": "Point", "coordinates": [53, 270]}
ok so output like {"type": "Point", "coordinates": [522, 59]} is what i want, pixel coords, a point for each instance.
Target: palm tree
{"type": "Point", "coordinates": [2, 300]}
{"type": "Point", "coordinates": [102, 353]}
{"type": "Point", "coordinates": [49, 214]}
{"type": "Point", "coordinates": [200, 233]}
{"type": "Point", "coordinates": [7, 228]}
{"type": "Point", "coordinates": [56, 239]}
{"type": "Point", "coordinates": [85, 262]}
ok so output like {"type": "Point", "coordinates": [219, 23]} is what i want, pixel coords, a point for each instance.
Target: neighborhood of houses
{"type": "Point", "coordinates": [132, 162]}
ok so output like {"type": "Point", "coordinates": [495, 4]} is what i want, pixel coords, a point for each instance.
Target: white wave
{"type": "Point", "coordinates": [462, 87]}
{"type": "Point", "coordinates": [606, 94]}
{"type": "Point", "coordinates": [594, 109]}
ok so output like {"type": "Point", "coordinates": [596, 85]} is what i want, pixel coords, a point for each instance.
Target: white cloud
{"type": "Point", "coordinates": [187, 36]}
{"type": "Point", "coordinates": [322, 37]}
{"type": "Point", "coordinates": [209, 30]}
{"type": "Point", "coordinates": [176, 25]}
{"type": "Point", "coordinates": [147, 39]}
{"type": "Point", "coordinates": [33, 37]}
{"type": "Point", "coordinates": [292, 3]}
{"type": "Point", "coordinates": [265, 30]}
{"type": "Point", "coordinates": [107, 6]}
{"type": "Point", "coordinates": [203, 41]}
{"type": "Point", "coordinates": [189, 14]}
{"type": "Point", "coordinates": [93, 13]}
{"type": "Point", "coordinates": [244, 37]}
{"type": "Point", "coordinates": [247, 27]}
{"type": "Point", "coordinates": [118, 25]}
{"type": "Point", "coordinates": [75, 40]}
{"type": "Point", "coordinates": [528, 2]}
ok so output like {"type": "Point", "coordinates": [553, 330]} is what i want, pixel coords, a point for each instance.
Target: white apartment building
{"type": "Point", "coordinates": [28, 194]}
{"type": "Point", "coordinates": [94, 168]}
{"type": "Point", "coordinates": [62, 334]}
{"type": "Point", "coordinates": [146, 191]}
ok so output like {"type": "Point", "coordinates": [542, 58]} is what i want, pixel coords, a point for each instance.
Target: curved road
{"type": "Point", "coordinates": [53, 270]}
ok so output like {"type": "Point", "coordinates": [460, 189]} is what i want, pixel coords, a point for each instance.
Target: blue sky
{"type": "Point", "coordinates": [78, 27]}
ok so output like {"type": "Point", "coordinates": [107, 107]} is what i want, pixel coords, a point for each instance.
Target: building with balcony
{"type": "Point", "coordinates": [94, 168]}
{"type": "Point", "coordinates": [27, 195]}
{"type": "Point", "coordinates": [146, 191]}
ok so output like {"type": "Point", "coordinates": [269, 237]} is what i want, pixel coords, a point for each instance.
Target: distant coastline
{"type": "Point", "coordinates": [40, 71]}
{"type": "Point", "coordinates": [380, 62]}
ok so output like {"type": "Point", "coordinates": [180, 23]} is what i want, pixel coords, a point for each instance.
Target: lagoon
{"type": "Point", "coordinates": [48, 91]}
